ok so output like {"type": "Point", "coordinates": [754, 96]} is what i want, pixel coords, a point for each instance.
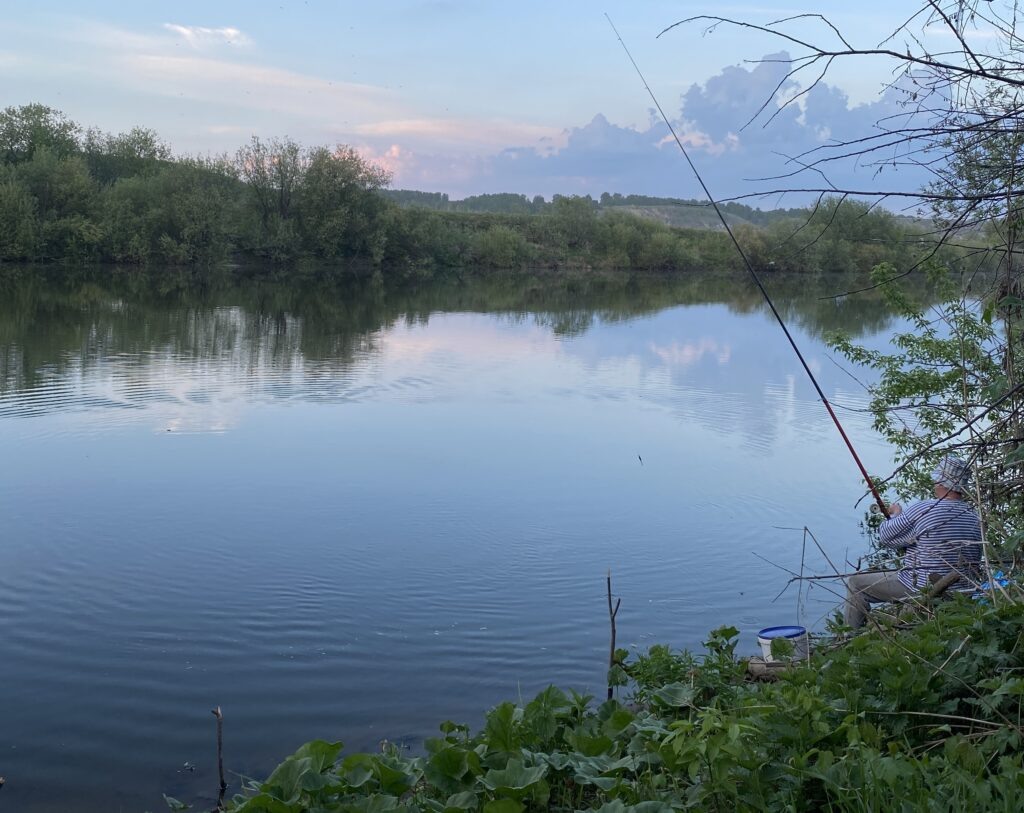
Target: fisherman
{"type": "Point", "coordinates": [937, 537]}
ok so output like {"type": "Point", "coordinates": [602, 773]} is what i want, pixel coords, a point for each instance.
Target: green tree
{"type": "Point", "coordinates": [137, 152]}
{"type": "Point", "coordinates": [576, 218]}
{"type": "Point", "coordinates": [178, 214]}
{"type": "Point", "coordinates": [339, 206]}
{"type": "Point", "coordinates": [501, 247]}
{"type": "Point", "coordinates": [64, 200]}
{"type": "Point", "coordinates": [31, 127]}
{"type": "Point", "coordinates": [18, 223]}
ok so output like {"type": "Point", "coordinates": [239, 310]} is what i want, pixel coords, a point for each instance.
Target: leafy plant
{"type": "Point", "coordinates": [894, 720]}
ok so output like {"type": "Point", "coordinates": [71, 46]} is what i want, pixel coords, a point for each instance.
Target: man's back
{"type": "Point", "coordinates": [940, 536]}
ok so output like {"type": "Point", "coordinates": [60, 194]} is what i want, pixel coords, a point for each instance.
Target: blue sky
{"type": "Point", "coordinates": [451, 95]}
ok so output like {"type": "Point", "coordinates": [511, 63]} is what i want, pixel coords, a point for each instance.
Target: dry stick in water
{"type": "Point", "coordinates": [612, 612]}
{"type": "Point", "coordinates": [220, 757]}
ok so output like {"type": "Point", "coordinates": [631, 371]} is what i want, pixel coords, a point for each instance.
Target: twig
{"type": "Point", "coordinates": [780, 567]}
{"type": "Point", "coordinates": [976, 720]}
{"type": "Point", "coordinates": [612, 612]}
{"type": "Point", "coordinates": [800, 587]}
{"type": "Point", "coordinates": [831, 576]}
{"type": "Point", "coordinates": [952, 655]}
{"type": "Point", "coordinates": [220, 757]}
{"type": "Point", "coordinates": [817, 544]}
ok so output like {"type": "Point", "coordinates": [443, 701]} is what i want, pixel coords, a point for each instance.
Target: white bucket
{"type": "Point", "coordinates": [797, 636]}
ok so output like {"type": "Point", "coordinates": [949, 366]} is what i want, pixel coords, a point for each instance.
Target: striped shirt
{"type": "Point", "coordinates": [937, 537]}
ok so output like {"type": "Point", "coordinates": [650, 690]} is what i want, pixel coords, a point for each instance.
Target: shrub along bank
{"type": "Point", "coordinates": [81, 196]}
{"type": "Point", "coordinates": [928, 718]}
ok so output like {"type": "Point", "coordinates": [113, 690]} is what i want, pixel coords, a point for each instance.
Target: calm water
{"type": "Point", "coordinates": [344, 510]}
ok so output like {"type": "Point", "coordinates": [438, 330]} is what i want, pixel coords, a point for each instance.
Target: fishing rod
{"type": "Point", "coordinates": [835, 419]}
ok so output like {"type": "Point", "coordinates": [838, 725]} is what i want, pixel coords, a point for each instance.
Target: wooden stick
{"type": "Point", "coordinates": [220, 757]}
{"type": "Point", "coordinates": [940, 587]}
{"type": "Point", "coordinates": [612, 612]}
{"type": "Point", "coordinates": [837, 575]}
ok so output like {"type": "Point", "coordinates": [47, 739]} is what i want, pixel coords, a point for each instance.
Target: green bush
{"type": "Point", "coordinates": [18, 222]}
{"type": "Point", "coordinates": [926, 718]}
{"type": "Point", "coordinates": [65, 195]}
{"type": "Point", "coordinates": [500, 247]}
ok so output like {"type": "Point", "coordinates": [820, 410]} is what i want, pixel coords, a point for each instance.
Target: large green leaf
{"type": "Point", "coordinates": [540, 717]}
{"type": "Point", "coordinates": [501, 728]}
{"type": "Point", "coordinates": [451, 762]}
{"type": "Point", "coordinates": [447, 768]}
{"type": "Point", "coordinates": [286, 782]}
{"type": "Point", "coordinates": [394, 776]}
{"type": "Point", "coordinates": [503, 806]}
{"type": "Point", "coordinates": [676, 695]}
{"type": "Point", "coordinates": [617, 722]}
{"type": "Point", "coordinates": [377, 803]}
{"type": "Point", "coordinates": [321, 753]}
{"type": "Point", "coordinates": [467, 800]}
{"type": "Point", "coordinates": [592, 765]}
{"type": "Point", "coordinates": [264, 803]}
{"type": "Point", "coordinates": [588, 745]}
{"type": "Point", "coordinates": [614, 806]}
{"type": "Point", "coordinates": [558, 760]}
{"type": "Point", "coordinates": [514, 776]}
{"type": "Point", "coordinates": [618, 806]}
{"type": "Point", "coordinates": [356, 770]}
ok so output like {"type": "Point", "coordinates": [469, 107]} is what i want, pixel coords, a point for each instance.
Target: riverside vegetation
{"type": "Point", "coordinates": [80, 196]}
{"type": "Point", "coordinates": [895, 720]}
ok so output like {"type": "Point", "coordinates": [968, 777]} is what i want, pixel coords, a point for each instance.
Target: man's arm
{"type": "Point", "coordinates": [898, 531]}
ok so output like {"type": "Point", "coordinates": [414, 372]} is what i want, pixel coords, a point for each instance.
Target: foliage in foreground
{"type": "Point", "coordinates": [927, 718]}
{"type": "Point", "coordinates": [954, 386]}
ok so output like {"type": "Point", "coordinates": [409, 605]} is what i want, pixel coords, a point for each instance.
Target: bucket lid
{"type": "Point", "coordinates": [782, 632]}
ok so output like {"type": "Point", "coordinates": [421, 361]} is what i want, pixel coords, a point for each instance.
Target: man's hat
{"type": "Point", "coordinates": [953, 473]}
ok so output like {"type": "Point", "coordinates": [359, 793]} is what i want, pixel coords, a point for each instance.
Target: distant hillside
{"type": "Point", "coordinates": [691, 214]}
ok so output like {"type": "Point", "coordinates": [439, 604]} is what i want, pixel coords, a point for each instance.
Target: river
{"type": "Point", "coordinates": [350, 508]}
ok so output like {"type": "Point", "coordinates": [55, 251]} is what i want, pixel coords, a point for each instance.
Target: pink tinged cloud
{"type": "Point", "coordinates": [482, 135]}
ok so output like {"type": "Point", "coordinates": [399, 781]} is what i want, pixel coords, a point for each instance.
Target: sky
{"type": "Point", "coordinates": [457, 96]}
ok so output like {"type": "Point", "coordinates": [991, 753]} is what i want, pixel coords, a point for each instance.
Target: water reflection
{"type": "Point", "coordinates": [132, 335]}
{"type": "Point", "coordinates": [349, 508]}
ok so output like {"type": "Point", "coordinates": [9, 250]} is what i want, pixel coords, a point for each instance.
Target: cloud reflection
{"type": "Point", "coordinates": [684, 354]}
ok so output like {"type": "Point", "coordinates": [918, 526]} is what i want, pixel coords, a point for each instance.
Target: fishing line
{"type": "Point", "coordinates": [750, 268]}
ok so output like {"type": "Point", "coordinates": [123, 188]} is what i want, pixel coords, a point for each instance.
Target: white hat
{"type": "Point", "coordinates": [953, 473]}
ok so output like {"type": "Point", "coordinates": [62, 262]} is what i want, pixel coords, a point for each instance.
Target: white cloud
{"type": "Point", "coordinates": [605, 157]}
{"type": "Point", "coordinates": [494, 135]}
{"type": "Point", "coordinates": [198, 36]}
{"type": "Point", "coordinates": [689, 353]}
{"type": "Point", "coordinates": [228, 129]}
{"type": "Point", "coordinates": [243, 84]}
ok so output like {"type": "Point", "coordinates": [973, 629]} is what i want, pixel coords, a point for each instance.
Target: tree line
{"type": "Point", "coordinates": [80, 196]}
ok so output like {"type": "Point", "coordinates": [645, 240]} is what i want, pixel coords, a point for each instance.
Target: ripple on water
{"type": "Point", "coordinates": [331, 566]}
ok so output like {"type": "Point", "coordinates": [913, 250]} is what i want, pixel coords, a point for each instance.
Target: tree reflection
{"type": "Point", "coordinates": [59, 323]}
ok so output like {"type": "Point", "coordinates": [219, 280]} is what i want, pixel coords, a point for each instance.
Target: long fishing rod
{"type": "Point", "coordinates": [835, 419]}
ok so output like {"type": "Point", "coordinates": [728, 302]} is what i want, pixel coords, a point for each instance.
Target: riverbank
{"type": "Point", "coordinates": [919, 718]}
{"type": "Point", "coordinates": [79, 196]}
